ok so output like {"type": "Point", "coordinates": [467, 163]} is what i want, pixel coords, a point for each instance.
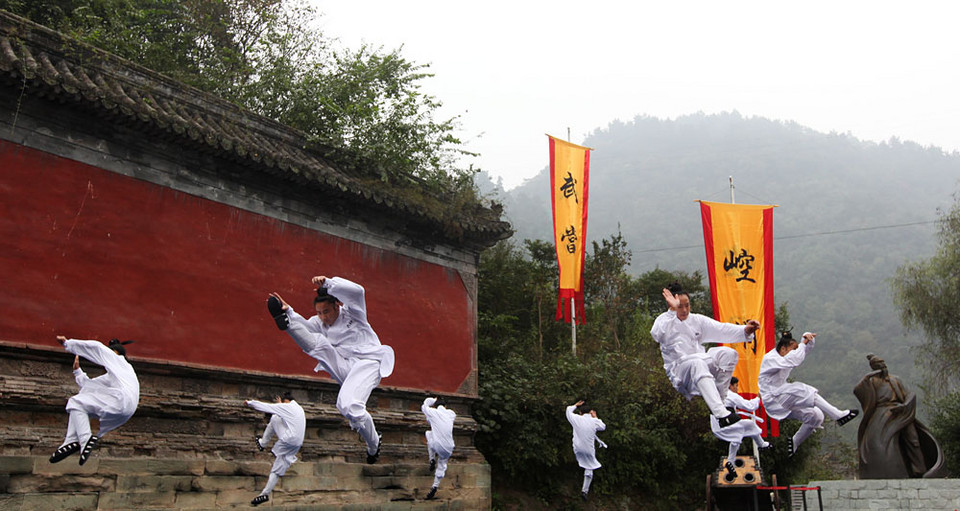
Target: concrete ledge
{"type": "Point", "coordinates": [881, 494]}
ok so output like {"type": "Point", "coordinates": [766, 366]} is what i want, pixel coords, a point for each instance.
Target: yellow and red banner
{"type": "Point", "coordinates": [739, 246]}
{"type": "Point", "coordinates": [569, 178]}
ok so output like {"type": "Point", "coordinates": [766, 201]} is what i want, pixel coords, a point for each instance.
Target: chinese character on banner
{"type": "Point", "coordinates": [739, 247]}
{"type": "Point", "coordinates": [569, 176]}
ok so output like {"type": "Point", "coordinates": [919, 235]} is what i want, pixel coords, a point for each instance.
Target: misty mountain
{"type": "Point", "coordinates": [849, 213]}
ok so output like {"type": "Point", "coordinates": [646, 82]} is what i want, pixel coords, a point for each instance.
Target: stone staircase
{"type": "Point", "coordinates": [31, 482]}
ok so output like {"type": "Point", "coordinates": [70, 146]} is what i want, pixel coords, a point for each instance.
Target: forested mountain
{"type": "Point", "coordinates": [849, 213]}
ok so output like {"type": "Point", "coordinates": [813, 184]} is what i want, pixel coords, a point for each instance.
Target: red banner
{"type": "Point", "coordinates": [739, 247]}
{"type": "Point", "coordinates": [569, 177]}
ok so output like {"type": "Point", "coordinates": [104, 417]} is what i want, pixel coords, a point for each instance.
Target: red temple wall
{"type": "Point", "coordinates": [91, 254]}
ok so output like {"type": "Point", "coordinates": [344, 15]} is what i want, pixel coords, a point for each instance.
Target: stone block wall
{"type": "Point", "coordinates": [879, 494]}
{"type": "Point", "coordinates": [191, 444]}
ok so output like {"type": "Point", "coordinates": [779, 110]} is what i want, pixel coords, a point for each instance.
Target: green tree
{"type": "Point", "coordinates": [927, 294]}
{"type": "Point", "coordinates": [363, 109]}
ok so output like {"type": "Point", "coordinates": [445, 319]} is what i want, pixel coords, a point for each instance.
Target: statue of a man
{"type": "Point", "coordinates": [892, 443]}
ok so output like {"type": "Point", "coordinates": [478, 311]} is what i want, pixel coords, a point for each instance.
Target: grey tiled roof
{"type": "Point", "coordinates": [47, 64]}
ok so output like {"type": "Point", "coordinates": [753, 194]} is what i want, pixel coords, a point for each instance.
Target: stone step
{"type": "Point", "coordinates": [31, 482]}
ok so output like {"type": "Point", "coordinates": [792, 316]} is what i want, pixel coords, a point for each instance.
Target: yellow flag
{"type": "Point", "coordinates": [569, 177]}
{"type": "Point", "coordinates": [739, 247]}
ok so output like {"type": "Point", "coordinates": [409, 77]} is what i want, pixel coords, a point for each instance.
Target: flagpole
{"type": "Point", "coordinates": [573, 300]}
{"type": "Point", "coordinates": [756, 448]}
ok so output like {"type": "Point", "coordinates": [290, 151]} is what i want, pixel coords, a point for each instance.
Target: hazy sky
{"type": "Point", "coordinates": [514, 71]}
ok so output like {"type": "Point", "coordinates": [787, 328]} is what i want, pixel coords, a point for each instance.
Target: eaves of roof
{"type": "Point", "coordinates": [48, 64]}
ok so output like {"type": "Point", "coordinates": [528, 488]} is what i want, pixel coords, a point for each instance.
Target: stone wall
{"type": "Point", "coordinates": [878, 494]}
{"type": "Point", "coordinates": [190, 445]}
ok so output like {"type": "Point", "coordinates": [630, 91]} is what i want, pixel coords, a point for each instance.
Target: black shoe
{"type": "Point", "coordinates": [64, 451]}
{"type": "Point", "coordinates": [733, 418]}
{"type": "Point", "coordinates": [373, 458]}
{"type": "Point", "coordinates": [766, 447]}
{"type": "Point", "coordinates": [432, 494]}
{"type": "Point", "coordinates": [790, 449]}
{"type": "Point", "coordinates": [433, 464]}
{"type": "Point", "coordinates": [583, 495]}
{"type": "Point", "coordinates": [848, 417]}
{"type": "Point", "coordinates": [730, 469]}
{"type": "Point", "coordinates": [259, 499]}
{"type": "Point", "coordinates": [276, 310]}
{"type": "Point", "coordinates": [88, 449]}
{"type": "Point", "coordinates": [257, 440]}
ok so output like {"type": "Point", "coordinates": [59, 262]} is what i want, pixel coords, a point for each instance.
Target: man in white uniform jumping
{"type": "Point", "coordinates": [345, 346]}
{"type": "Point", "coordinates": [795, 400]}
{"type": "Point", "coordinates": [692, 370]}
{"type": "Point", "coordinates": [111, 397]}
{"type": "Point", "coordinates": [289, 424]}
{"type": "Point", "coordinates": [585, 427]}
{"type": "Point", "coordinates": [439, 439]}
{"type": "Point", "coordinates": [735, 433]}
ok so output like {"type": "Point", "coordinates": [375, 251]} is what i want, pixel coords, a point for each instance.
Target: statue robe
{"type": "Point", "coordinates": [892, 443]}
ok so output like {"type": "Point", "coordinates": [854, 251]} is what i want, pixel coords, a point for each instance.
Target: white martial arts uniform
{"type": "Point", "coordinates": [585, 429]}
{"type": "Point", "coordinates": [350, 351]}
{"type": "Point", "coordinates": [795, 400]}
{"type": "Point", "coordinates": [735, 433]}
{"type": "Point", "coordinates": [692, 370]}
{"type": "Point", "coordinates": [111, 397]}
{"type": "Point", "coordinates": [289, 424]}
{"type": "Point", "coordinates": [440, 436]}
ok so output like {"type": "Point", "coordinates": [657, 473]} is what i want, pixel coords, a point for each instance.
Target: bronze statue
{"type": "Point", "coordinates": [891, 442]}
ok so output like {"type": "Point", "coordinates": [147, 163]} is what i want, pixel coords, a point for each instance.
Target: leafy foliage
{"type": "Point", "coordinates": [927, 294]}
{"type": "Point", "coordinates": [364, 108]}
{"type": "Point", "coordinates": [946, 427]}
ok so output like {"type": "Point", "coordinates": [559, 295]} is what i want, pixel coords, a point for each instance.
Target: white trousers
{"type": "Point", "coordinates": [285, 453]}
{"type": "Point", "coordinates": [812, 418]}
{"type": "Point", "coordinates": [78, 428]}
{"type": "Point", "coordinates": [357, 378]}
{"type": "Point", "coordinates": [707, 375]}
{"type": "Point", "coordinates": [441, 464]}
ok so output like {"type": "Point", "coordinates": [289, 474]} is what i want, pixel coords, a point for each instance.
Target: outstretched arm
{"type": "Point", "coordinates": [93, 351]}
{"type": "Point", "coordinates": [728, 333]}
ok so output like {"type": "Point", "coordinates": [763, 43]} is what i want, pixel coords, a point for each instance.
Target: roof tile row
{"type": "Point", "coordinates": [48, 64]}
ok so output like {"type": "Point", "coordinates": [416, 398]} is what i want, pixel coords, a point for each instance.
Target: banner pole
{"type": "Point", "coordinates": [573, 323]}
{"type": "Point", "coordinates": [573, 302]}
{"type": "Point", "coordinates": [732, 201]}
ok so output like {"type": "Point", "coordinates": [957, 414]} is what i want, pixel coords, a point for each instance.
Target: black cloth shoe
{"type": "Point", "coordinates": [733, 418]}
{"type": "Point", "coordinates": [373, 458]}
{"type": "Point", "coordinates": [257, 440]}
{"type": "Point", "coordinates": [730, 469]}
{"type": "Point", "coordinates": [583, 495]}
{"type": "Point", "coordinates": [276, 310]}
{"type": "Point", "coordinates": [64, 451]}
{"type": "Point", "coordinates": [88, 449]}
{"type": "Point", "coordinates": [432, 494]}
{"type": "Point", "coordinates": [848, 417]}
{"type": "Point", "coordinates": [790, 450]}
{"type": "Point", "coordinates": [259, 499]}
{"type": "Point", "coordinates": [433, 464]}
